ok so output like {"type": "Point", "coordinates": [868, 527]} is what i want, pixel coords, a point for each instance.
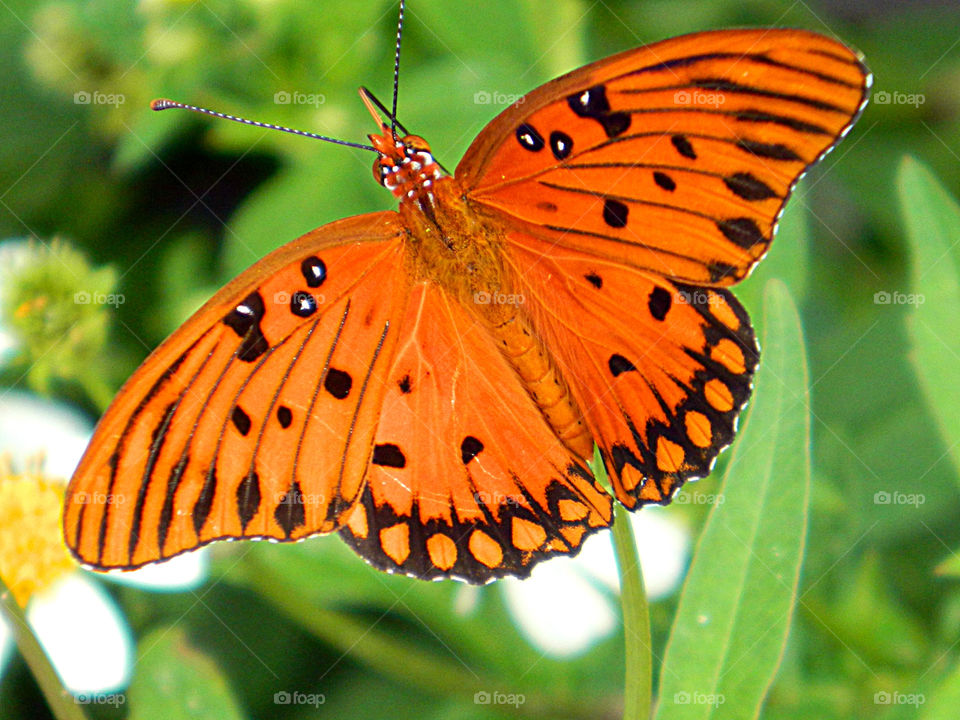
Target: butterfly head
{"type": "Point", "coordinates": [404, 166]}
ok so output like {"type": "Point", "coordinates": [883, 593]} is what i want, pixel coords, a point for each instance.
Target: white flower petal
{"type": "Point", "coordinates": [6, 644]}
{"type": "Point", "coordinates": [183, 572]}
{"type": "Point", "coordinates": [14, 254]}
{"type": "Point", "coordinates": [664, 545]}
{"type": "Point", "coordinates": [559, 610]}
{"type": "Point", "coordinates": [85, 635]}
{"type": "Point", "coordinates": [29, 424]}
{"type": "Point", "coordinates": [7, 345]}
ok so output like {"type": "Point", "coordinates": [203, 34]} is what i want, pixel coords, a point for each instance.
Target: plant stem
{"type": "Point", "coordinates": [636, 620]}
{"type": "Point", "coordinates": [61, 702]}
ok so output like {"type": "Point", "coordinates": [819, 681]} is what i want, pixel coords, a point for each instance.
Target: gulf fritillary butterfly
{"type": "Point", "coordinates": [430, 382]}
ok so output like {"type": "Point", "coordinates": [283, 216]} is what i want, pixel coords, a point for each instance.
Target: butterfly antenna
{"type": "Point", "coordinates": [364, 91]}
{"type": "Point", "coordinates": [396, 74]}
{"type": "Point", "coordinates": [165, 104]}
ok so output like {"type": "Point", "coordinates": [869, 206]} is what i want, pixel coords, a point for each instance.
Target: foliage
{"type": "Point", "coordinates": [176, 205]}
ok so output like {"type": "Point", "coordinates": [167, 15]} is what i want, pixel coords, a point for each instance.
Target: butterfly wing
{"type": "Point", "coordinates": [660, 372]}
{"type": "Point", "coordinates": [255, 418]}
{"type": "Point", "coordinates": [676, 157]}
{"type": "Point", "coordinates": [468, 480]}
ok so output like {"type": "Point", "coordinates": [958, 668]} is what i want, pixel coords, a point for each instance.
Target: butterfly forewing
{"type": "Point", "coordinates": [677, 157]}
{"type": "Point", "coordinates": [256, 418]}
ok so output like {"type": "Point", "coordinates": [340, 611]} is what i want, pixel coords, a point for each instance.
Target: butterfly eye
{"type": "Point", "coordinates": [415, 144]}
{"type": "Point", "coordinates": [380, 171]}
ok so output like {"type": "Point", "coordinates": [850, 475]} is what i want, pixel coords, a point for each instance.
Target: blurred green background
{"type": "Point", "coordinates": [177, 205]}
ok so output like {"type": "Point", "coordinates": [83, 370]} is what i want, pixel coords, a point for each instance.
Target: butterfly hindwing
{"type": "Point", "coordinates": [676, 157]}
{"type": "Point", "coordinates": [467, 479]}
{"type": "Point", "coordinates": [660, 373]}
{"type": "Point", "coordinates": [256, 418]}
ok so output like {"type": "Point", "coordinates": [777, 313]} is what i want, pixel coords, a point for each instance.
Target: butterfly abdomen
{"type": "Point", "coordinates": [519, 343]}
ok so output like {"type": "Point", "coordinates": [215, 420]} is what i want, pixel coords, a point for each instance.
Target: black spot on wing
{"type": "Point", "coordinates": [593, 103]}
{"type": "Point", "coordinates": [389, 455]}
{"type": "Point", "coordinates": [659, 302]}
{"type": "Point", "coordinates": [204, 503]}
{"type": "Point", "coordinates": [240, 420]}
{"type": "Point", "coordinates": [303, 304]}
{"type": "Point", "coordinates": [772, 151]}
{"type": "Point", "coordinates": [314, 271]}
{"type": "Point", "coordinates": [749, 187]}
{"type": "Point", "coordinates": [404, 385]}
{"type": "Point", "coordinates": [290, 512]}
{"type": "Point", "coordinates": [338, 383]}
{"type": "Point", "coordinates": [615, 213]}
{"type": "Point", "coordinates": [244, 320]}
{"type": "Point", "coordinates": [594, 280]}
{"type": "Point", "coordinates": [664, 181]}
{"type": "Point", "coordinates": [529, 138]}
{"type": "Point", "coordinates": [248, 498]}
{"type": "Point", "coordinates": [284, 416]}
{"type": "Point", "coordinates": [619, 364]}
{"type": "Point", "coordinates": [470, 448]}
{"type": "Point", "coordinates": [561, 145]}
{"type": "Point", "coordinates": [683, 146]}
{"type": "Point", "coordinates": [742, 232]}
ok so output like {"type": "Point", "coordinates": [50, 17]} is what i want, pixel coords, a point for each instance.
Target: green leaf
{"type": "Point", "coordinates": [932, 221]}
{"type": "Point", "coordinates": [942, 705]}
{"type": "Point", "coordinates": [734, 615]}
{"type": "Point", "coordinates": [175, 680]}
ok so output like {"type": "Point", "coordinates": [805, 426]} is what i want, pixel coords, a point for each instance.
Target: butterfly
{"type": "Point", "coordinates": [430, 382]}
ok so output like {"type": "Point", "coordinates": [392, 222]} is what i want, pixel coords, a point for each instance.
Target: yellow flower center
{"type": "Point", "coordinates": [32, 553]}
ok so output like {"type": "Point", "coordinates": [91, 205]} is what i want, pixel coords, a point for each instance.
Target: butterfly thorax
{"type": "Point", "coordinates": [451, 243]}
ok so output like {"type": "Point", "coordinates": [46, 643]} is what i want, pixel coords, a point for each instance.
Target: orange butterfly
{"type": "Point", "coordinates": [430, 382]}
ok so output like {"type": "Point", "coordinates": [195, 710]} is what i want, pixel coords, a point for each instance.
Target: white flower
{"type": "Point", "coordinates": [76, 621]}
{"type": "Point", "coordinates": [566, 604]}
{"type": "Point", "coordinates": [14, 254]}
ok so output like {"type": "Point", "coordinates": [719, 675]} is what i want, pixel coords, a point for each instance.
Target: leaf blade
{"type": "Point", "coordinates": [728, 637]}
